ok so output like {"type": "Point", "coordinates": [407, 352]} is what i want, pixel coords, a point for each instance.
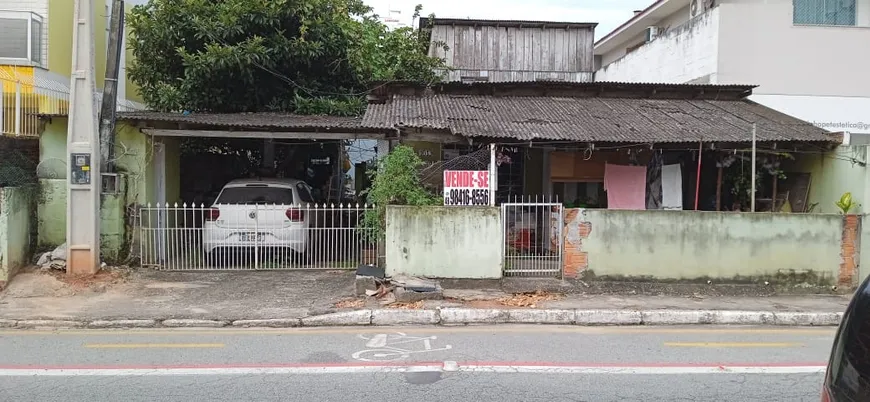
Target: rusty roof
{"type": "Point", "coordinates": [272, 121]}
{"type": "Point", "coordinates": [557, 88]}
{"type": "Point", "coordinates": [591, 119]}
{"type": "Point", "coordinates": [424, 22]}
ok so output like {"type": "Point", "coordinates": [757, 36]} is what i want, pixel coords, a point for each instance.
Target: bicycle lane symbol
{"type": "Point", "coordinates": [395, 346]}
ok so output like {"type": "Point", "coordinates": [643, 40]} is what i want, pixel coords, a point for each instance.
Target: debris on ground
{"type": "Point", "coordinates": [407, 306]}
{"type": "Point", "coordinates": [351, 303]}
{"type": "Point", "coordinates": [55, 259]}
{"type": "Point", "coordinates": [529, 299]}
{"type": "Point", "coordinates": [373, 282]}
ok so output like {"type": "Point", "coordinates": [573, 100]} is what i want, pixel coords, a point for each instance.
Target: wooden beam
{"type": "Point", "coordinates": [263, 134]}
{"type": "Point", "coordinates": [432, 136]}
{"type": "Point", "coordinates": [719, 187]}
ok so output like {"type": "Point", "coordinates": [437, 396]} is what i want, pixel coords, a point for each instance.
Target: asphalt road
{"type": "Point", "coordinates": [498, 363]}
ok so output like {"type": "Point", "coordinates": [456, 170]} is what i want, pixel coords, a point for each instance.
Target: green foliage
{"type": "Point", "coordinates": [305, 56]}
{"type": "Point", "coordinates": [845, 203]}
{"type": "Point", "coordinates": [395, 182]}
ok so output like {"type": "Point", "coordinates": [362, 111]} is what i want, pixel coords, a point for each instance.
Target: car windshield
{"type": "Point", "coordinates": [256, 195]}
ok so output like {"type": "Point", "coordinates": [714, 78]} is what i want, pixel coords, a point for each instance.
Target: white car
{"type": "Point", "coordinates": [261, 214]}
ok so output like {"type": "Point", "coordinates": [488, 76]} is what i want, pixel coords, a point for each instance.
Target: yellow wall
{"type": "Point", "coordinates": [60, 28]}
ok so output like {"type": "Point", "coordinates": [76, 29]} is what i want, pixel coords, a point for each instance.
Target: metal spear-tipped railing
{"type": "Point", "coordinates": [262, 236]}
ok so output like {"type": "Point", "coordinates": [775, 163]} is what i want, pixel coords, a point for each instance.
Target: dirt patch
{"type": "Point", "coordinates": [407, 306]}
{"type": "Point", "coordinates": [35, 282]}
{"type": "Point", "coordinates": [351, 303]}
{"type": "Point", "coordinates": [531, 300]}
{"type": "Point", "coordinates": [100, 282]}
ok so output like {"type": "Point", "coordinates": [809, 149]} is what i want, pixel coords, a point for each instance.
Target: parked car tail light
{"type": "Point", "coordinates": [295, 215]}
{"type": "Point", "coordinates": [826, 396]}
{"type": "Point", "coordinates": [212, 214]}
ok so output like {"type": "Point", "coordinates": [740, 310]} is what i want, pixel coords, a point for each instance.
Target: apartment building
{"type": "Point", "coordinates": [809, 57]}
{"type": "Point", "coordinates": [36, 61]}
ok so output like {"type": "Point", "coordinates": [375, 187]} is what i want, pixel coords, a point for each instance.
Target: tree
{"type": "Point", "coordinates": [303, 56]}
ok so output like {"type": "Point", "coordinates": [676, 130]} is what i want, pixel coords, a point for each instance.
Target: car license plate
{"type": "Point", "coordinates": [258, 237]}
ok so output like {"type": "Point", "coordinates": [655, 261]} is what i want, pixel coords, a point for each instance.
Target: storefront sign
{"type": "Point", "coordinates": [466, 187]}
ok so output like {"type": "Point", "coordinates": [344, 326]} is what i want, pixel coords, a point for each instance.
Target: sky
{"type": "Point", "coordinates": [609, 14]}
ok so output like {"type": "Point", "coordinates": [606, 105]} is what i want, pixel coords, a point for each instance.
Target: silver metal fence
{"type": "Point", "coordinates": [256, 237]}
{"type": "Point", "coordinates": [532, 238]}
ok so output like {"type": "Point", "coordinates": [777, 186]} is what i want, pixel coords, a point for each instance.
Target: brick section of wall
{"type": "Point", "coordinates": [575, 230]}
{"type": "Point", "coordinates": [849, 252]}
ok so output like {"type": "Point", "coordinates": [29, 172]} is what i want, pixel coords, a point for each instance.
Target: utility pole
{"type": "Point", "coordinates": [110, 87]}
{"type": "Point", "coordinates": [83, 162]}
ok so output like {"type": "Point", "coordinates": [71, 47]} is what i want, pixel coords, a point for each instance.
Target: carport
{"type": "Point", "coordinates": [194, 155]}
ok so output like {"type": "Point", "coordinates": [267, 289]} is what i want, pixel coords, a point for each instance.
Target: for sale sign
{"type": "Point", "coordinates": [466, 187]}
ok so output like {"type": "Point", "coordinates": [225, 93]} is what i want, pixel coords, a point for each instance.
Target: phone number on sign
{"type": "Point", "coordinates": [465, 196]}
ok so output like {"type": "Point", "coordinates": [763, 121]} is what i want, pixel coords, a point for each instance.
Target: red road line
{"type": "Point", "coordinates": [400, 365]}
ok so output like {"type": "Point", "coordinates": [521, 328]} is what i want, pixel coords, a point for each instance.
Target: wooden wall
{"type": "Point", "coordinates": [516, 53]}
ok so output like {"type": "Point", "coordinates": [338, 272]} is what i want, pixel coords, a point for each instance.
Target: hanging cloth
{"type": "Point", "coordinates": [625, 186]}
{"type": "Point", "coordinates": [672, 187]}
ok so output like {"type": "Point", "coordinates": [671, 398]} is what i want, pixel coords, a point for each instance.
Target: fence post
{"type": "Point", "coordinates": [17, 107]}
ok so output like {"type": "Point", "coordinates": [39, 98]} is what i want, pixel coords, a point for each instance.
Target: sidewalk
{"type": "Point", "coordinates": [147, 298]}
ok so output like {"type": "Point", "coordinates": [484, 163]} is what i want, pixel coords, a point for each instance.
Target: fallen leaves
{"type": "Point", "coordinates": [351, 303]}
{"type": "Point", "coordinates": [407, 306]}
{"type": "Point", "coordinates": [528, 299]}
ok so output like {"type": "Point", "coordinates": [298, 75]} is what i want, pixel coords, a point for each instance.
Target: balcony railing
{"type": "Point", "coordinates": [23, 99]}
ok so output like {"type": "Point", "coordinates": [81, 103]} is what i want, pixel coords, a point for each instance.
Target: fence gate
{"type": "Point", "coordinates": [532, 239]}
{"type": "Point", "coordinates": [256, 237]}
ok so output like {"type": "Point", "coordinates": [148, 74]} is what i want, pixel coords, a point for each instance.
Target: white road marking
{"type": "Point", "coordinates": [383, 347]}
{"type": "Point", "coordinates": [452, 366]}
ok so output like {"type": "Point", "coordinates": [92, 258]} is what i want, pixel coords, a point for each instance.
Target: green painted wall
{"type": "Point", "coordinates": [724, 245]}
{"type": "Point", "coordinates": [51, 214]}
{"type": "Point", "coordinates": [832, 174]}
{"type": "Point", "coordinates": [133, 155]}
{"type": "Point", "coordinates": [444, 242]}
{"type": "Point", "coordinates": [15, 228]}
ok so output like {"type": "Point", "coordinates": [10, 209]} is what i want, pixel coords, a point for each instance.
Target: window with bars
{"type": "Point", "coordinates": [824, 12]}
{"type": "Point", "coordinates": [22, 36]}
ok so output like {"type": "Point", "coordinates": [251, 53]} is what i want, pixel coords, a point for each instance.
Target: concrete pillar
{"type": "Point", "coordinates": [83, 162]}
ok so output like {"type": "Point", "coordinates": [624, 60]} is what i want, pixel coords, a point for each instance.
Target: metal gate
{"type": "Point", "coordinates": [532, 239]}
{"type": "Point", "coordinates": [256, 237]}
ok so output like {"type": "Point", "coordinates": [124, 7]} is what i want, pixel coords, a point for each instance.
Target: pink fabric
{"type": "Point", "coordinates": [625, 186]}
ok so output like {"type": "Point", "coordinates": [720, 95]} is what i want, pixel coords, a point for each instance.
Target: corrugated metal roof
{"type": "Point", "coordinates": [591, 119]}
{"type": "Point", "coordinates": [248, 120]}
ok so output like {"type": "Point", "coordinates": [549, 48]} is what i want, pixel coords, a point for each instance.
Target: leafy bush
{"type": "Point", "coordinates": [396, 181]}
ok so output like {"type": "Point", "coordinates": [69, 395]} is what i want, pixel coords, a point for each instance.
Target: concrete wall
{"type": "Point", "coordinates": [678, 17]}
{"type": "Point", "coordinates": [684, 53]}
{"type": "Point", "coordinates": [444, 242]}
{"type": "Point", "coordinates": [15, 228]}
{"type": "Point", "coordinates": [133, 162]}
{"type": "Point", "coordinates": [759, 44]}
{"type": "Point", "coordinates": [683, 245]}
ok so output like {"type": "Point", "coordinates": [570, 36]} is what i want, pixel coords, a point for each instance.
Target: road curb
{"type": "Point", "coordinates": [467, 316]}
{"type": "Point", "coordinates": [122, 324]}
{"type": "Point", "coordinates": [186, 323]}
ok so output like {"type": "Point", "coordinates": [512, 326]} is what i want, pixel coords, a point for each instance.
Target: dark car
{"type": "Point", "coordinates": [847, 377]}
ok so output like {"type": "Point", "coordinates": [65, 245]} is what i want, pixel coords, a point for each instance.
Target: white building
{"type": "Point", "coordinates": [810, 58]}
